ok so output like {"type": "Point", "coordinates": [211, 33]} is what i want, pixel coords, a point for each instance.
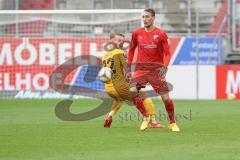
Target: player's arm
{"type": "Point", "coordinates": [166, 50]}
{"type": "Point", "coordinates": [123, 62]}
{"type": "Point", "coordinates": [126, 68]}
{"type": "Point", "coordinates": [132, 49]}
{"type": "Point", "coordinates": [167, 54]}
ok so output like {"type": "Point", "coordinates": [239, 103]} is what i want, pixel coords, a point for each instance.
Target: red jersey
{"type": "Point", "coordinates": [152, 47]}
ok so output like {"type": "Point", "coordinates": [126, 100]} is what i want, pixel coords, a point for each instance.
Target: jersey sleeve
{"type": "Point", "coordinates": [166, 49]}
{"type": "Point", "coordinates": [122, 58]}
{"type": "Point", "coordinates": [132, 49]}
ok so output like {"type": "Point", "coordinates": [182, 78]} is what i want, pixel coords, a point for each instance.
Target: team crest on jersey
{"type": "Point", "coordinates": [155, 37]}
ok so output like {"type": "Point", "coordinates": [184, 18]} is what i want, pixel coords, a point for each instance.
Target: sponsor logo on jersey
{"type": "Point", "coordinates": [149, 46]}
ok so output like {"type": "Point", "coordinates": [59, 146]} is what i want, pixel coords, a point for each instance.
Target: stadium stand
{"type": "Point", "coordinates": [9, 4]}
{"type": "Point", "coordinates": [32, 28]}
{"type": "Point", "coordinates": [222, 12]}
{"type": "Point", "coordinates": [172, 15]}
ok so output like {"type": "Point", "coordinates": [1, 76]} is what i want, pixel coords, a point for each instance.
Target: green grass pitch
{"type": "Point", "coordinates": [29, 130]}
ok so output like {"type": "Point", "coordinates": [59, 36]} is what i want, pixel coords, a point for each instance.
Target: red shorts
{"type": "Point", "coordinates": [141, 78]}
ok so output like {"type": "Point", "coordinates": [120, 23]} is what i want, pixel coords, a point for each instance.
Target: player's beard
{"type": "Point", "coordinates": [149, 26]}
{"type": "Point", "coordinates": [120, 46]}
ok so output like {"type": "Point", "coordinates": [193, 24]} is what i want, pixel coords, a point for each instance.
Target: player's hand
{"type": "Point", "coordinates": [162, 71]}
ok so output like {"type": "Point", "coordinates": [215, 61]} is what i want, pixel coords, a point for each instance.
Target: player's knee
{"type": "Point", "coordinates": [166, 101]}
{"type": "Point", "coordinates": [137, 88]}
{"type": "Point", "coordinates": [119, 102]}
{"type": "Point", "coordinates": [133, 90]}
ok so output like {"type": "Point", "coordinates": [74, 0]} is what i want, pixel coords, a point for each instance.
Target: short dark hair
{"type": "Point", "coordinates": [150, 10]}
{"type": "Point", "coordinates": [114, 34]}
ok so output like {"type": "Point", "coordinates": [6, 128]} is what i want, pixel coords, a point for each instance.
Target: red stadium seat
{"type": "Point", "coordinates": [219, 18]}
{"type": "Point", "coordinates": [31, 28]}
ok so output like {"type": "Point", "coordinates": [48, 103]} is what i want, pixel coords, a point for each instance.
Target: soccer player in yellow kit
{"type": "Point", "coordinates": [118, 87]}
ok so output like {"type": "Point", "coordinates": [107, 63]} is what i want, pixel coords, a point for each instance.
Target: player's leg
{"type": "Point", "coordinates": [162, 87]}
{"type": "Point", "coordinates": [115, 107]}
{"type": "Point", "coordinates": [169, 105]}
{"type": "Point", "coordinates": [123, 91]}
{"type": "Point", "coordinates": [110, 90]}
{"type": "Point", "coordinates": [138, 102]}
{"type": "Point", "coordinates": [149, 106]}
{"type": "Point", "coordinates": [152, 112]}
{"type": "Point", "coordinates": [120, 91]}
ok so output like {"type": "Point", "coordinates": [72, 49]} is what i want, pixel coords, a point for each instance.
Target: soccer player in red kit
{"type": "Point", "coordinates": [152, 59]}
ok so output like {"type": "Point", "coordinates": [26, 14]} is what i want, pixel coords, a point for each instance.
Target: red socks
{"type": "Point", "coordinates": [170, 110]}
{"type": "Point", "coordinates": [138, 102]}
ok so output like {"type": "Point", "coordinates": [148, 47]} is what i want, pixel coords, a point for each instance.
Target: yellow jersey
{"type": "Point", "coordinates": [115, 59]}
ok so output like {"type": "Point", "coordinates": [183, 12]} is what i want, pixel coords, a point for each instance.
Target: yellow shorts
{"type": "Point", "coordinates": [119, 91]}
